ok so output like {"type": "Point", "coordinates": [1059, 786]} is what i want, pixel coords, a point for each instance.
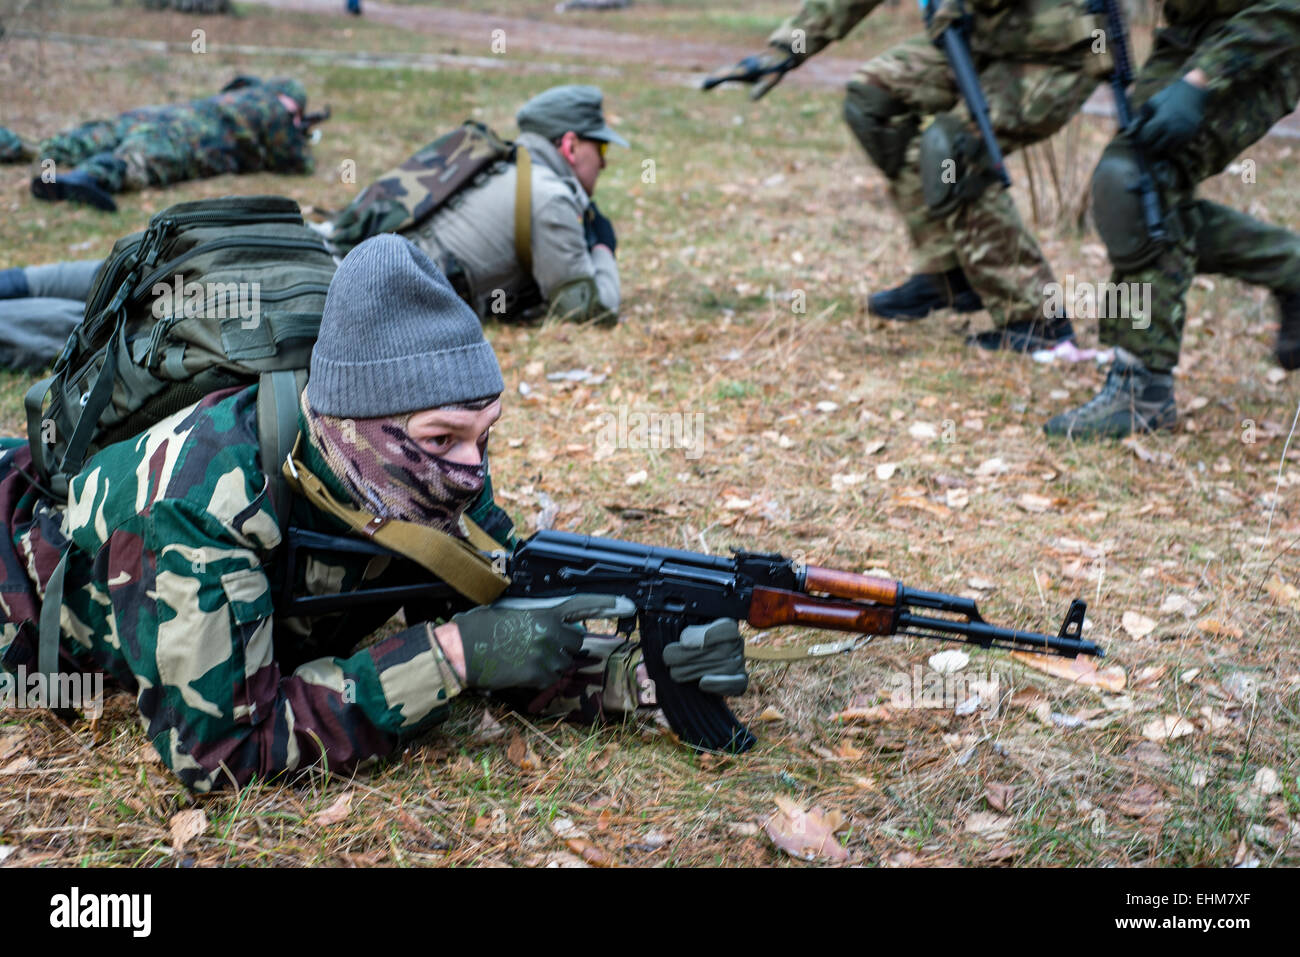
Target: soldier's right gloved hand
{"type": "Point", "coordinates": [529, 642]}
{"type": "Point", "coordinates": [1170, 118]}
{"type": "Point", "coordinates": [764, 70]}
{"type": "Point", "coordinates": [712, 654]}
{"type": "Point", "coordinates": [599, 230]}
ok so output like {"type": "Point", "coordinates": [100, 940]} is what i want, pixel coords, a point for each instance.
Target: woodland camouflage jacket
{"type": "Point", "coordinates": [175, 552]}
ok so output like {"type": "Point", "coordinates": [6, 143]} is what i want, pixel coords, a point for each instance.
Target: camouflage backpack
{"type": "Point", "coordinates": [215, 293]}
{"type": "Point", "coordinates": [410, 193]}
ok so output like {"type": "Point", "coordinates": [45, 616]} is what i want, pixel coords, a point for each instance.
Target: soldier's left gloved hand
{"type": "Point", "coordinates": [763, 70]}
{"type": "Point", "coordinates": [712, 654]}
{"type": "Point", "coordinates": [1170, 118]}
{"type": "Point", "coordinates": [599, 230]}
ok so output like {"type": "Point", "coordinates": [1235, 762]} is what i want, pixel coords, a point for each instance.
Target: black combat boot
{"type": "Point", "coordinates": [77, 185]}
{"type": "Point", "coordinates": [923, 294]}
{"type": "Point", "coordinates": [1134, 399]}
{"type": "Point", "coordinates": [1288, 335]}
{"type": "Point", "coordinates": [1025, 336]}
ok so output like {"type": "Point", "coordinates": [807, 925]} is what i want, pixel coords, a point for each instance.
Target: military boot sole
{"type": "Point", "coordinates": [1019, 341]}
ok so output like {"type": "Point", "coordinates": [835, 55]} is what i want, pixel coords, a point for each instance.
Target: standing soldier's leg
{"type": "Point", "coordinates": [1027, 103]}
{"type": "Point", "coordinates": [1138, 394]}
{"type": "Point", "coordinates": [883, 107]}
{"type": "Point", "coordinates": [1234, 244]}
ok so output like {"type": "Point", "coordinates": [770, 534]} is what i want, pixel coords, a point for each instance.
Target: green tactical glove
{"type": "Point", "coordinates": [764, 70]}
{"type": "Point", "coordinates": [529, 642]}
{"type": "Point", "coordinates": [713, 654]}
{"type": "Point", "coordinates": [1170, 118]}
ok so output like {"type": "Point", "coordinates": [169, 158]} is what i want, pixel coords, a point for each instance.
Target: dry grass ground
{"type": "Point", "coordinates": [746, 259]}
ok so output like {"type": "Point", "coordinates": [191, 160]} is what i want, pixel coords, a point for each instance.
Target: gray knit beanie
{"type": "Point", "coordinates": [395, 338]}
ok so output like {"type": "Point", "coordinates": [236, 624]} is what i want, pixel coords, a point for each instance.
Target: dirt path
{"type": "Point", "coordinates": [612, 46]}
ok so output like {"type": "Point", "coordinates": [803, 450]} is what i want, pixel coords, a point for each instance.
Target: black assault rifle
{"type": "Point", "coordinates": [953, 43]}
{"type": "Point", "coordinates": [1120, 79]}
{"type": "Point", "coordinates": [673, 589]}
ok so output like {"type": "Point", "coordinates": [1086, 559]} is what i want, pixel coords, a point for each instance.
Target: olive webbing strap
{"type": "Point", "coordinates": [47, 653]}
{"type": "Point", "coordinates": [452, 560]}
{"type": "Point", "coordinates": [524, 208]}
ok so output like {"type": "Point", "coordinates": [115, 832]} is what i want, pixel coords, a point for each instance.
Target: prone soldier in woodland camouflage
{"type": "Point", "coordinates": [170, 544]}
{"type": "Point", "coordinates": [251, 126]}
{"type": "Point", "coordinates": [970, 247]}
{"type": "Point", "coordinates": [1220, 74]}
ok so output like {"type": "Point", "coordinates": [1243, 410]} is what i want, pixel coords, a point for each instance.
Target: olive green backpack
{"type": "Point", "coordinates": [213, 294]}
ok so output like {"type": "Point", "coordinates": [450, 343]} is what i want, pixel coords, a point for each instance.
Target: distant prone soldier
{"type": "Point", "coordinates": [251, 126]}
{"type": "Point", "coordinates": [512, 247]}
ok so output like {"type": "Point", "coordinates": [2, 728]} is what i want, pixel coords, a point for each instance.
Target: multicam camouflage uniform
{"type": "Point", "coordinates": [174, 548]}
{"type": "Point", "coordinates": [1033, 58]}
{"type": "Point", "coordinates": [242, 130]}
{"type": "Point", "coordinates": [1250, 51]}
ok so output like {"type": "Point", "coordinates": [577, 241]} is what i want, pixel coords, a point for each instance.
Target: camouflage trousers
{"type": "Point", "coordinates": [1028, 102]}
{"type": "Point", "coordinates": [141, 148]}
{"type": "Point", "coordinates": [1211, 238]}
{"type": "Point", "coordinates": [12, 148]}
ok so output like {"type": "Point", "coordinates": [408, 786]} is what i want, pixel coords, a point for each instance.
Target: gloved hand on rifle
{"type": "Point", "coordinates": [764, 70]}
{"type": "Point", "coordinates": [529, 642]}
{"type": "Point", "coordinates": [1170, 118]}
{"type": "Point", "coordinates": [599, 230]}
{"type": "Point", "coordinates": [712, 654]}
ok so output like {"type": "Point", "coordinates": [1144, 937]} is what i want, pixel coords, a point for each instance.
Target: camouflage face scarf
{"type": "Point", "coordinates": [388, 473]}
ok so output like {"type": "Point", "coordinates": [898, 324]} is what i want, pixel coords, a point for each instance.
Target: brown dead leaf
{"type": "Point", "coordinates": [1002, 852]}
{"type": "Point", "coordinates": [1140, 800]}
{"type": "Point", "coordinates": [987, 824]}
{"type": "Point", "coordinates": [1137, 624]}
{"type": "Point", "coordinates": [1148, 676]}
{"type": "Point", "coordinates": [520, 753]}
{"type": "Point", "coordinates": [19, 765]}
{"type": "Point", "coordinates": [770, 714]}
{"type": "Point", "coordinates": [11, 743]}
{"type": "Point", "coordinates": [488, 729]}
{"type": "Point", "coordinates": [999, 795]}
{"type": "Point", "coordinates": [879, 713]}
{"type": "Point", "coordinates": [186, 826]}
{"type": "Point", "coordinates": [1167, 727]}
{"type": "Point", "coordinates": [1034, 503]}
{"type": "Point", "coordinates": [336, 812]}
{"type": "Point", "coordinates": [1220, 629]}
{"type": "Point", "coordinates": [847, 752]}
{"type": "Point", "coordinates": [806, 835]}
{"type": "Point", "coordinates": [1028, 698]}
{"type": "Point", "coordinates": [577, 841]}
{"type": "Point", "coordinates": [601, 761]}
{"type": "Point", "coordinates": [922, 505]}
{"type": "Point", "coordinates": [1082, 670]}
{"type": "Point", "coordinates": [1284, 593]}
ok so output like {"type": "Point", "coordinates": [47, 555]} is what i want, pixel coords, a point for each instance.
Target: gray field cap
{"type": "Point", "coordinates": [563, 108]}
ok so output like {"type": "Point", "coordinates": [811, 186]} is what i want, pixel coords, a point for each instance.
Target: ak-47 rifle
{"type": "Point", "coordinates": [673, 589]}
{"type": "Point", "coordinates": [1120, 79]}
{"type": "Point", "coordinates": [955, 47]}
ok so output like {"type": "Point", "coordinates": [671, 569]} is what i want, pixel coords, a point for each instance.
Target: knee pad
{"type": "Point", "coordinates": [883, 124]}
{"type": "Point", "coordinates": [1117, 210]}
{"type": "Point", "coordinates": [954, 165]}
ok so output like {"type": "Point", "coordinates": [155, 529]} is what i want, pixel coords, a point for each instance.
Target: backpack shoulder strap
{"type": "Point", "coordinates": [524, 208]}
{"type": "Point", "coordinates": [277, 433]}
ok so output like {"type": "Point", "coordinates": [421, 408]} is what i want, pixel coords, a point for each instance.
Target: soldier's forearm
{"type": "Point", "coordinates": [820, 23]}
{"type": "Point", "coordinates": [1250, 44]}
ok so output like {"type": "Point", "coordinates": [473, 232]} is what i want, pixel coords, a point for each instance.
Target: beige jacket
{"type": "Point", "coordinates": [477, 227]}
